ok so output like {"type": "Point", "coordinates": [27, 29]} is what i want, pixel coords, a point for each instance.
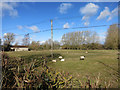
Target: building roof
{"type": "Point", "coordinates": [20, 46]}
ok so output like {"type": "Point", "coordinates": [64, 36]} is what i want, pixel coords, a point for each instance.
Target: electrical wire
{"type": "Point", "coordinates": [64, 29]}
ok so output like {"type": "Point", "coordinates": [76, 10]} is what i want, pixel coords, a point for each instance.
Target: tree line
{"type": "Point", "coordinates": [80, 40]}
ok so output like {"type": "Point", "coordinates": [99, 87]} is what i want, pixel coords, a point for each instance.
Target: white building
{"type": "Point", "coordinates": [19, 48]}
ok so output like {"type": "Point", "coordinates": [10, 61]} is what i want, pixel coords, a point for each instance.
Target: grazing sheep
{"type": "Point", "coordinates": [82, 57]}
{"type": "Point", "coordinates": [86, 52]}
{"type": "Point", "coordinates": [53, 60]}
{"type": "Point", "coordinates": [62, 59]}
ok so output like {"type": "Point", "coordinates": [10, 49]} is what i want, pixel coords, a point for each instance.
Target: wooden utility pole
{"type": "Point", "coordinates": [52, 38]}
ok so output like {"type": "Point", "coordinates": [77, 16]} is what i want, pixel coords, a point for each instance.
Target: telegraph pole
{"type": "Point", "coordinates": [51, 38]}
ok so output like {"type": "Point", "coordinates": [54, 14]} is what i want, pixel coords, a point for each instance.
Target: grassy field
{"type": "Point", "coordinates": [99, 65]}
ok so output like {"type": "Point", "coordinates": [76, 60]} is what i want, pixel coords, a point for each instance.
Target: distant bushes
{"type": "Point", "coordinates": [92, 46]}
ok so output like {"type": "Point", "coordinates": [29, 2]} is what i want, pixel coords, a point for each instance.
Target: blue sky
{"type": "Point", "coordinates": [23, 18]}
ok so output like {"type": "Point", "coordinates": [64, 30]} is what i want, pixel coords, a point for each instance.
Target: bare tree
{"type": "Point", "coordinates": [111, 41]}
{"type": "Point", "coordinates": [26, 40]}
{"type": "Point", "coordinates": [77, 39]}
{"type": "Point", "coordinates": [9, 38]}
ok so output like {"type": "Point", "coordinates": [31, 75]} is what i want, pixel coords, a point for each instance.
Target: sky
{"type": "Point", "coordinates": [22, 18]}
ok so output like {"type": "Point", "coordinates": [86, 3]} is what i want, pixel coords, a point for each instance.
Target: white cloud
{"type": "Point", "coordinates": [66, 25]}
{"type": "Point", "coordinates": [33, 28]}
{"type": "Point", "coordinates": [106, 13]}
{"type": "Point", "coordinates": [85, 18]}
{"type": "Point", "coordinates": [20, 27]}
{"type": "Point", "coordinates": [9, 9]}
{"type": "Point", "coordinates": [64, 7]}
{"type": "Point", "coordinates": [89, 10]}
{"type": "Point", "coordinates": [113, 13]}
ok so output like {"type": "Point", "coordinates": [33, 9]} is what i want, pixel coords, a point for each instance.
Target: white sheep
{"type": "Point", "coordinates": [53, 60]}
{"type": "Point", "coordinates": [86, 52]}
{"type": "Point", "coordinates": [62, 59]}
{"type": "Point", "coordinates": [82, 57]}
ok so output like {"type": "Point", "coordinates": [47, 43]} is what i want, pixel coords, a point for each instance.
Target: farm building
{"type": "Point", "coordinates": [19, 48]}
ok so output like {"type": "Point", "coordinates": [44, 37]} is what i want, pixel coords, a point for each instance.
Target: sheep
{"type": "Point", "coordinates": [82, 57]}
{"type": "Point", "coordinates": [86, 52]}
{"type": "Point", "coordinates": [62, 59]}
{"type": "Point", "coordinates": [53, 60]}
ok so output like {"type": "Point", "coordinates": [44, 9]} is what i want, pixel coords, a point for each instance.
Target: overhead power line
{"type": "Point", "coordinates": [64, 29]}
{"type": "Point", "coordinates": [81, 27]}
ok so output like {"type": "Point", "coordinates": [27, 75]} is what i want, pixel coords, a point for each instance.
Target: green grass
{"type": "Point", "coordinates": [103, 62]}
{"type": "Point", "coordinates": [96, 61]}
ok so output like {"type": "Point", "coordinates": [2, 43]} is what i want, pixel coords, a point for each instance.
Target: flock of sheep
{"type": "Point", "coordinates": [62, 59]}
